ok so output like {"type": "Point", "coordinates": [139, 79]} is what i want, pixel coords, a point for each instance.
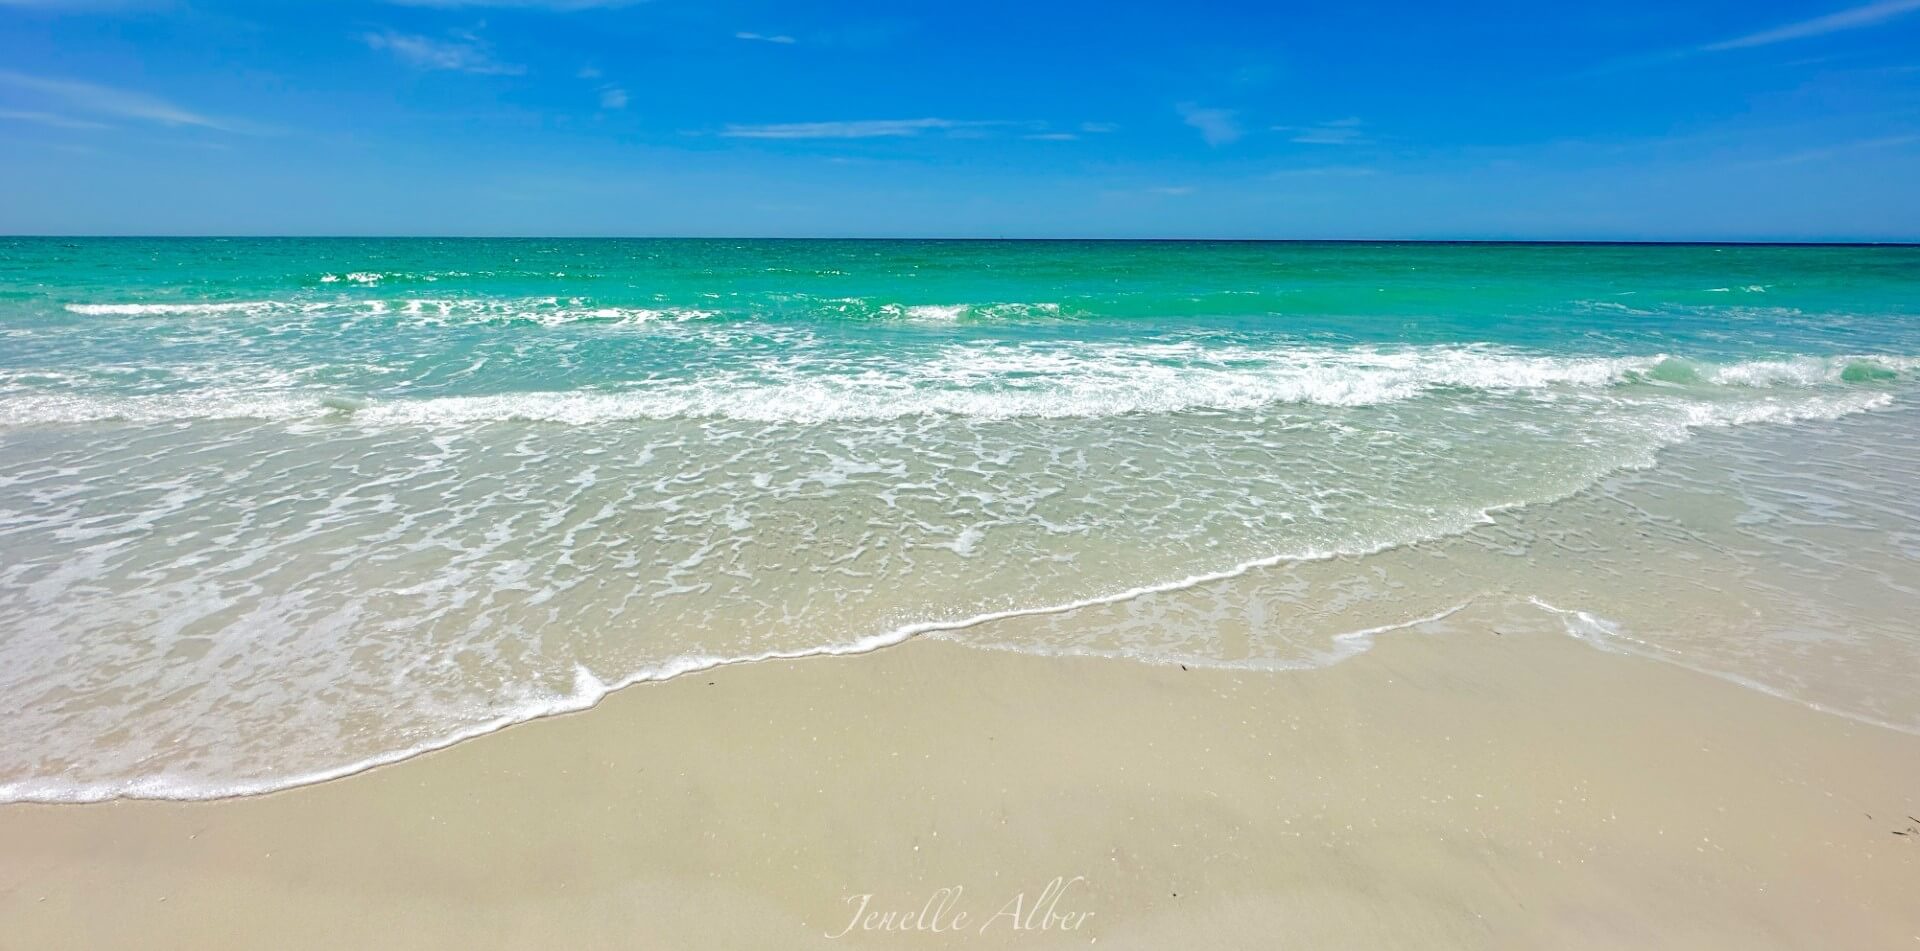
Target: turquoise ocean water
{"type": "Point", "coordinates": [275, 509]}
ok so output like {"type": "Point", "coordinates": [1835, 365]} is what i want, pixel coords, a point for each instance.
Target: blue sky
{"type": "Point", "coordinates": [1624, 120]}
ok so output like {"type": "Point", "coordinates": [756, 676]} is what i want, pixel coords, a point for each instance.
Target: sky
{"type": "Point", "coordinates": [1626, 120]}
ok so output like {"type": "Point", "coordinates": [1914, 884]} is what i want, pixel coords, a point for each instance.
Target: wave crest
{"type": "Point", "coordinates": [1047, 382]}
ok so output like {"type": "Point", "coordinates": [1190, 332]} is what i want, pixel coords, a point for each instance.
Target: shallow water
{"type": "Point", "coordinates": [274, 509]}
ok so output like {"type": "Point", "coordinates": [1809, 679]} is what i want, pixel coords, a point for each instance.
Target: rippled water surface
{"type": "Point", "coordinates": [274, 509]}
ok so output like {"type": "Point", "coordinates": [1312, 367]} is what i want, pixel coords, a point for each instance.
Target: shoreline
{"type": "Point", "coordinates": [1481, 781]}
{"type": "Point", "coordinates": [590, 692]}
{"type": "Point", "coordinates": [566, 707]}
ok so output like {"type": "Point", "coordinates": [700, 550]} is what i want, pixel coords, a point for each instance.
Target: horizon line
{"type": "Point", "coordinates": [1601, 242]}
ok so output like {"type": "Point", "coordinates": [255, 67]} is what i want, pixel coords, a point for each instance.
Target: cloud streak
{"type": "Point", "coordinates": [551, 6]}
{"type": "Point", "coordinates": [1850, 19]}
{"type": "Point", "coordinates": [779, 38]}
{"type": "Point", "coordinates": [854, 129]}
{"type": "Point", "coordinates": [1217, 126]}
{"type": "Point", "coordinates": [97, 100]}
{"type": "Point", "coordinates": [47, 118]}
{"type": "Point", "coordinates": [464, 53]}
{"type": "Point", "coordinates": [69, 6]}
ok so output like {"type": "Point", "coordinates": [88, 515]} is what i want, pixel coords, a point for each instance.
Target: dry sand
{"type": "Point", "coordinates": [1453, 787]}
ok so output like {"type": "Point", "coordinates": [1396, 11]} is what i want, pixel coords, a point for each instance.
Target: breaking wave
{"type": "Point", "coordinates": [1048, 382]}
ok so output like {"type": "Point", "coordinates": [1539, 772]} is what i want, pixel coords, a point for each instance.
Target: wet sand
{"type": "Point", "coordinates": [1480, 781]}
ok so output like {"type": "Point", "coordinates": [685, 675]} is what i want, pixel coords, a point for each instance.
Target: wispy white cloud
{"type": "Point", "coordinates": [1852, 18]}
{"type": "Point", "coordinates": [96, 100]}
{"type": "Point", "coordinates": [1172, 190]}
{"type": "Point", "coordinates": [1051, 136]}
{"type": "Point", "coordinates": [613, 97]}
{"type": "Point", "coordinates": [557, 6]}
{"type": "Point", "coordinates": [780, 38]}
{"type": "Point", "coordinates": [1217, 126]}
{"type": "Point", "coordinates": [464, 52]}
{"type": "Point", "coordinates": [47, 118]}
{"type": "Point", "coordinates": [1097, 128]}
{"type": "Point", "coordinates": [854, 129]}
{"type": "Point", "coordinates": [588, 72]}
{"type": "Point", "coordinates": [1346, 131]}
{"type": "Point", "coordinates": [72, 5]}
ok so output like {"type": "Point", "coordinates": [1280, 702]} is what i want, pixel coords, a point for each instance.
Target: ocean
{"type": "Point", "coordinates": [276, 510]}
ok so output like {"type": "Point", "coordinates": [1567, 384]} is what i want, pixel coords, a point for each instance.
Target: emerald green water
{"type": "Point", "coordinates": [271, 509]}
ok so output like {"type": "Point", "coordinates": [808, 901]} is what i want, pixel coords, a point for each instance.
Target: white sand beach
{"type": "Point", "coordinates": [1479, 782]}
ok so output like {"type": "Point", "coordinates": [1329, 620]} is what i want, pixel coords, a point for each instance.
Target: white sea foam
{"type": "Point", "coordinates": [1004, 383]}
{"type": "Point", "coordinates": [1441, 438]}
{"type": "Point", "coordinates": [545, 311]}
{"type": "Point", "coordinates": [938, 312]}
{"type": "Point", "coordinates": [588, 690]}
{"type": "Point", "coordinates": [158, 309]}
{"type": "Point", "coordinates": [861, 307]}
{"type": "Point", "coordinates": [1805, 371]}
{"type": "Point", "coordinates": [946, 313]}
{"type": "Point", "coordinates": [815, 403]}
{"type": "Point", "coordinates": [443, 311]}
{"type": "Point", "coordinates": [588, 687]}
